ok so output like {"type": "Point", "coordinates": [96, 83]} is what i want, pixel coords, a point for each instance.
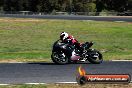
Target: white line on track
{"type": "Point", "coordinates": [121, 60]}
{"type": "Point", "coordinates": [87, 20]}
{"type": "Point", "coordinates": [44, 83]}
{"type": "Point", "coordinates": [23, 62]}
{"type": "Point", "coordinates": [73, 82]}
{"type": "Point", "coordinates": [50, 62]}
{"type": "Point", "coordinates": [67, 82]}
{"type": "Point", "coordinates": [17, 62]}
{"type": "Point", "coordinates": [35, 83]}
{"type": "Point", "coordinates": [119, 21]}
{"type": "Point", "coordinates": [4, 84]}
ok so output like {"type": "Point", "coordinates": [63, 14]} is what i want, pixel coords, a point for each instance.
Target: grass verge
{"type": "Point", "coordinates": [70, 86]}
{"type": "Point", "coordinates": [23, 86]}
{"type": "Point", "coordinates": [31, 39]}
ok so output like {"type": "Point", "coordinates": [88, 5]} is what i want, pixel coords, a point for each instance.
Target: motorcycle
{"type": "Point", "coordinates": [64, 53]}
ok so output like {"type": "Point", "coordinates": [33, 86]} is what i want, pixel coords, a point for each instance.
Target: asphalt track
{"type": "Point", "coordinates": [18, 73]}
{"type": "Point", "coordinates": [73, 17]}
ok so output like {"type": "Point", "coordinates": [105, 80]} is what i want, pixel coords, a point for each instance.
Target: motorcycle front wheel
{"type": "Point", "coordinates": [59, 58]}
{"type": "Point", "coordinates": [95, 57]}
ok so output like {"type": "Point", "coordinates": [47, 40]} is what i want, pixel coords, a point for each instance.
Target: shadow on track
{"type": "Point", "coordinates": [51, 63]}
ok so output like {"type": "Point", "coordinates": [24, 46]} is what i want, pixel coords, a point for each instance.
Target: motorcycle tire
{"type": "Point", "coordinates": [58, 58]}
{"type": "Point", "coordinates": [93, 60]}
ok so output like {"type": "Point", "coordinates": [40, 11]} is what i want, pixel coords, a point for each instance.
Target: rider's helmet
{"type": "Point", "coordinates": [63, 36]}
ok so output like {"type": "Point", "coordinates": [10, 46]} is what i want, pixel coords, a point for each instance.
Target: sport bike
{"type": "Point", "coordinates": [63, 53]}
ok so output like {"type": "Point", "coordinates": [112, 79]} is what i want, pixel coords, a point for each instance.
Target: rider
{"type": "Point", "coordinates": [66, 38]}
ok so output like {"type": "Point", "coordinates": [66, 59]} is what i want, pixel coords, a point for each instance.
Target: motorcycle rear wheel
{"type": "Point", "coordinates": [59, 58]}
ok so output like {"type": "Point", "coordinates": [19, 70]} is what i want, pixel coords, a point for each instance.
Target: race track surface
{"type": "Point", "coordinates": [15, 73]}
{"type": "Point", "coordinates": [73, 17]}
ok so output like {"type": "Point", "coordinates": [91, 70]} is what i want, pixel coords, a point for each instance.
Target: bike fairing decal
{"type": "Point", "coordinates": [74, 56]}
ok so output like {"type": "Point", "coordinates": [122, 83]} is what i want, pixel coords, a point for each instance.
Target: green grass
{"type": "Point", "coordinates": [24, 86]}
{"type": "Point", "coordinates": [70, 86]}
{"type": "Point", "coordinates": [32, 39]}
